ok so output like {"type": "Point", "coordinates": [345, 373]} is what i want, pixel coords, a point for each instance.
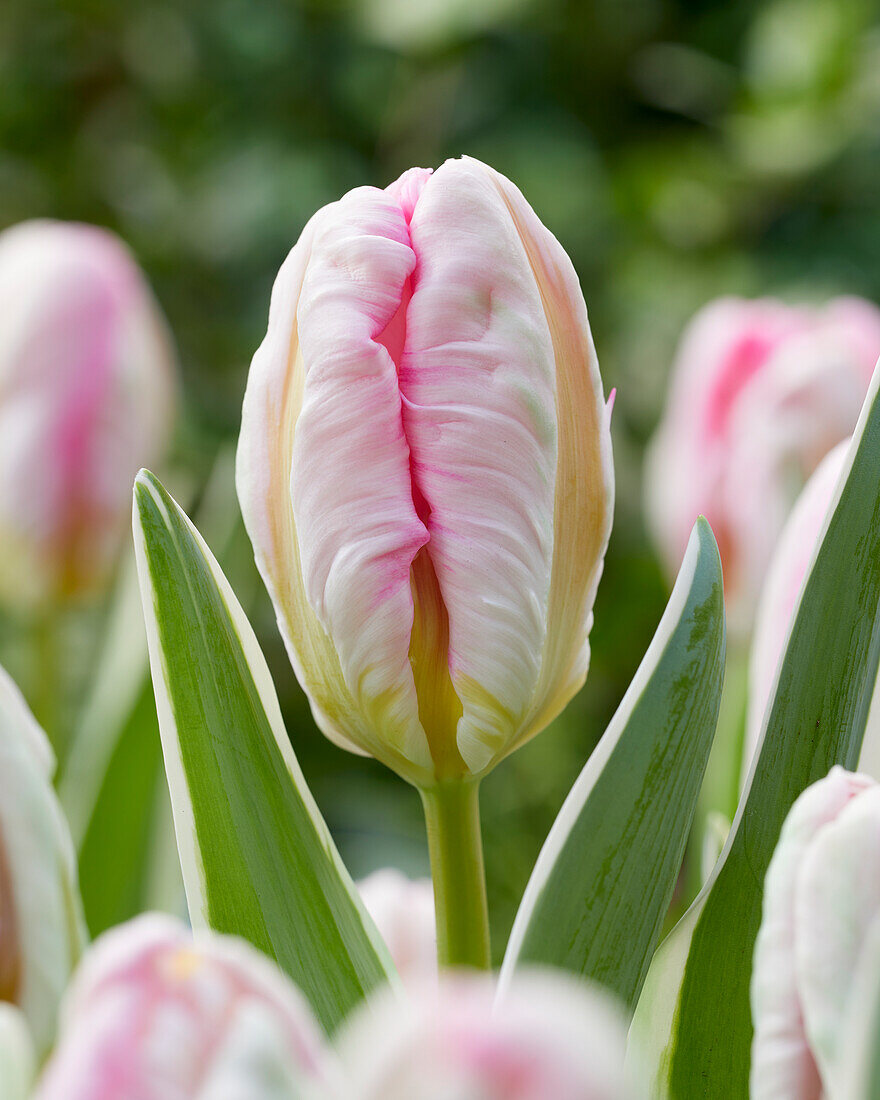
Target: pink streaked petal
{"type": "Point", "coordinates": [783, 1067]}
{"type": "Point", "coordinates": [478, 381]}
{"type": "Point", "coordinates": [350, 481]}
{"type": "Point", "coordinates": [584, 491]}
{"type": "Point", "coordinates": [154, 1012]}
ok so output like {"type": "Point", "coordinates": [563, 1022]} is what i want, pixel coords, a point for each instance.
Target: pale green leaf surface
{"type": "Point", "coordinates": [693, 1023]}
{"type": "Point", "coordinates": [602, 884]}
{"type": "Point", "coordinates": [257, 858]}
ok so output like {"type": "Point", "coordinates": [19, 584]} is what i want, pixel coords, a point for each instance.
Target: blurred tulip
{"type": "Point", "coordinates": [403, 911]}
{"type": "Point", "coordinates": [549, 1036]}
{"type": "Point", "coordinates": [16, 1054]}
{"type": "Point", "coordinates": [41, 927]}
{"type": "Point", "coordinates": [157, 1013]}
{"type": "Point", "coordinates": [86, 398]}
{"type": "Point", "coordinates": [425, 470]}
{"type": "Point", "coordinates": [821, 897]}
{"type": "Point", "coordinates": [760, 392]}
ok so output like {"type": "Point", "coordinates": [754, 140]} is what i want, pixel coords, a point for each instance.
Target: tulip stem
{"type": "Point", "coordinates": [452, 816]}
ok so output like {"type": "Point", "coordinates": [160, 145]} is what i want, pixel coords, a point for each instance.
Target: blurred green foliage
{"type": "Point", "coordinates": [679, 150]}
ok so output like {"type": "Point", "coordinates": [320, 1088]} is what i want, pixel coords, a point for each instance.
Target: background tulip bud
{"type": "Point", "coordinates": [403, 911]}
{"type": "Point", "coordinates": [760, 392]}
{"type": "Point", "coordinates": [425, 470]}
{"type": "Point", "coordinates": [821, 897]}
{"type": "Point", "coordinates": [549, 1036]}
{"type": "Point", "coordinates": [41, 927]}
{"type": "Point", "coordinates": [86, 397]}
{"type": "Point", "coordinates": [155, 1012]}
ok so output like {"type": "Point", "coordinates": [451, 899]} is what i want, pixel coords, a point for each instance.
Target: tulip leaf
{"type": "Point", "coordinates": [693, 1022]}
{"type": "Point", "coordinates": [257, 858]}
{"type": "Point", "coordinates": [602, 884]}
{"type": "Point", "coordinates": [111, 786]}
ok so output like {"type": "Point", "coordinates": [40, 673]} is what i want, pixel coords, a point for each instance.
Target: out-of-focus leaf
{"type": "Point", "coordinates": [257, 858]}
{"type": "Point", "coordinates": [693, 1023]}
{"type": "Point", "coordinates": [603, 882]}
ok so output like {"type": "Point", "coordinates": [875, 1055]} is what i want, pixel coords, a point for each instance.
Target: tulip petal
{"type": "Point", "coordinates": [477, 377]}
{"type": "Point", "coordinates": [350, 482]}
{"type": "Point", "coordinates": [272, 405]}
{"type": "Point", "coordinates": [783, 1067]}
{"type": "Point", "coordinates": [584, 494]}
{"type": "Point", "coordinates": [158, 1013]}
{"type": "Point", "coordinates": [837, 901]}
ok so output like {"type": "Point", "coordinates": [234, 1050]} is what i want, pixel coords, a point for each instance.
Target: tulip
{"type": "Point", "coordinates": [41, 925]}
{"type": "Point", "coordinates": [760, 392]}
{"type": "Point", "coordinates": [548, 1036]}
{"type": "Point", "coordinates": [159, 1013]}
{"type": "Point", "coordinates": [821, 898]}
{"type": "Point", "coordinates": [403, 911]}
{"type": "Point", "coordinates": [16, 1054]}
{"type": "Point", "coordinates": [86, 398]}
{"type": "Point", "coordinates": [425, 473]}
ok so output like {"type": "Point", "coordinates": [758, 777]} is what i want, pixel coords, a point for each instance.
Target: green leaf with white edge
{"type": "Point", "coordinates": [602, 884]}
{"type": "Point", "coordinates": [257, 858]}
{"type": "Point", "coordinates": [113, 785]}
{"type": "Point", "coordinates": [693, 1024]}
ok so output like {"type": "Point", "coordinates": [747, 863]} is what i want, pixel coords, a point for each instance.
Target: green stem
{"type": "Point", "coordinates": [452, 815]}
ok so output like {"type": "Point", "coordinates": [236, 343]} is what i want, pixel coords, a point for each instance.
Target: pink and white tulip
{"type": "Point", "coordinates": [760, 392]}
{"type": "Point", "coordinates": [87, 393]}
{"type": "Point", "coordinates": [425, 470]}
{"type": "Point", "coordinates": [821, 899]}
{"type": "Point", "coordinates": [157, 1013]}
{"type": "Point", "coordinates": [403, 911]}
{"type": "Point", "coordinates": [41, 924]}
{"type": "Point", "coordinates": [548, 1036]}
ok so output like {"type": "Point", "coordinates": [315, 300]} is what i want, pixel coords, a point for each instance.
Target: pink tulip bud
{"type": "Point", "coordinates": [403, 911]}
{"type": "Point", "coordinates": [760, 392]}
{"type": "Point", "coordinates": [41, 926]}
{"type": "Point", "coordinates": [156, 1013]}
{"type": "Point", "coordinates": [548, 1037]}
{"type": "Point", "coordinates": [821, 897]}
{"type": "Point", "coordinates": [425, 470]}
{"type": "Point", "coordinates": [86, 397]}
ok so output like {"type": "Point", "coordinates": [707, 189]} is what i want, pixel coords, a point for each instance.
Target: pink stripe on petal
{"type": "Point", "coordinates": [357, 526]}
{"type": "Point", "coordinates": [478, 381]}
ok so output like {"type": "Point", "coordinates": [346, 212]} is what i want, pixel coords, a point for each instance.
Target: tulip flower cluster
{"type": "Point", "coordinates": [425, 472]}
{"type": "Point", "coordinates": [155, 1012]}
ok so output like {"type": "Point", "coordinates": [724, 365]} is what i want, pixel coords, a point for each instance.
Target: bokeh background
{"type": "Point", "coordinates": [678, 150]}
